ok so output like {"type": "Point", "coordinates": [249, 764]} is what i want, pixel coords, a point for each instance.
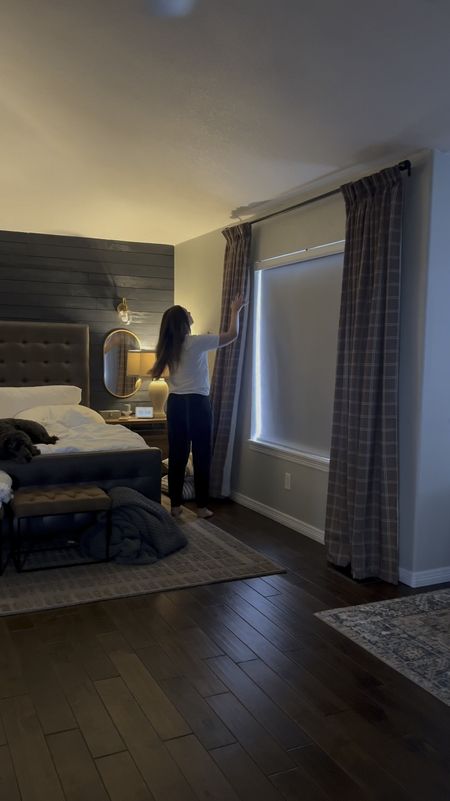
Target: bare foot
{"type": "Point", "coordinates": [203, 512]}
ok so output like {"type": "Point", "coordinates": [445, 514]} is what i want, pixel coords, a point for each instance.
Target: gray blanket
{"type": "Point", "coordinates": [142, 531]}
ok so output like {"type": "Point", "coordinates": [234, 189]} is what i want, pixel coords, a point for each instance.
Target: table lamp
{"type": "Point", "coordinates": [140, 363]}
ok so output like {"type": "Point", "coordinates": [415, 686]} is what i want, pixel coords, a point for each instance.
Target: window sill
{"type": "Point", "coordinates": [313, 460]}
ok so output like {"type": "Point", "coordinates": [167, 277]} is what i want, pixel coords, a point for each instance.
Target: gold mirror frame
{"type": "Point", "coordinates": [127, 381]}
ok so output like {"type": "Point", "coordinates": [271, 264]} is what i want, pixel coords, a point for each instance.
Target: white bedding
{"type": "Point", "coordinates": [81, 430]}
{"type": "Point", "coordinates": [92, 436]}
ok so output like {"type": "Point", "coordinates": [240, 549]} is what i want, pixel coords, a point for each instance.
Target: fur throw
{"type": "Point", "coordinates": [18, 439]}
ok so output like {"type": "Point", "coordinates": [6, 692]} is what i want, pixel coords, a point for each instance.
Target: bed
{"type": "Point", "coordinates": [57, 354]}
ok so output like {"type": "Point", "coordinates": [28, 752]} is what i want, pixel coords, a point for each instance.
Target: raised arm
{"type": "Point", "coordinates": [227, 337]}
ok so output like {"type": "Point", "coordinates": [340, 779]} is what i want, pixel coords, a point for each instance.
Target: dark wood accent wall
{"type": "Point", "coordinates": [73, 279]}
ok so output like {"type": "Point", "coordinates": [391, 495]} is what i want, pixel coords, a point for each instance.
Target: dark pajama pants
{"type": "Point", "coordinates": [189, 420]}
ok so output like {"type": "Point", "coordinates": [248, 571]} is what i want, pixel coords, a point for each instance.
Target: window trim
{"type": "Point", "coordinates": [305, 458]}
{"type": "Point", "coordinates": [305, 254]}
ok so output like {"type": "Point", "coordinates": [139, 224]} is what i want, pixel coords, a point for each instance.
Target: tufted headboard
{"type": "Point", "coordinates": [32, 354]}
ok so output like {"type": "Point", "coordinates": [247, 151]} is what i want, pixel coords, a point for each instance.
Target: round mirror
{"type": "Point", "coordinates": [115, 350]}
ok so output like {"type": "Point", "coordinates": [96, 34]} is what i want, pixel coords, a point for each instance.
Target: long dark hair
{"type": "Point", "coordinates": [174, 329]}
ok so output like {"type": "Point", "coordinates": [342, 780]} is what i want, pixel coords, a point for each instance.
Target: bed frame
{"type": "Point", "coordinates": [36, 354]}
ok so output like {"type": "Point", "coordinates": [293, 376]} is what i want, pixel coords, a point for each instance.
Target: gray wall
{"type": "Point", "coordinates": [416, 225]}
{"type": "Point", "coordinates": [75, 279]}
{"type": "Point", "coordinates": [428, 533]}
{"type": "Point", "coordinates": [198, 284]}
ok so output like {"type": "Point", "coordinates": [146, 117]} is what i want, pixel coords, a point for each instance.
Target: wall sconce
{"type": "Point", "coordinates": [124, 312]}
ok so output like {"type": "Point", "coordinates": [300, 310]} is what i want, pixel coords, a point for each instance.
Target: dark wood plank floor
{"type": "Point", "coordinates": [226, 692]}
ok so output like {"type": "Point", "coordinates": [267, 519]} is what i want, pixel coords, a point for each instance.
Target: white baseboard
{"type": "Point", "coordinates": [421, 578]}
{"type": "Point", "coordinates": [424, 578]}
{"type": "Point", "coordinates": [280, 517]}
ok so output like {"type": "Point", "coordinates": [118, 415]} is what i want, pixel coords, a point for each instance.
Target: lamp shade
{"type": "Point", "coordinates": [141, 362]}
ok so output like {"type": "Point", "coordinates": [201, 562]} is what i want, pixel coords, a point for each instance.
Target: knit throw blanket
{"type": "Point", "coordinates": [142, 531]}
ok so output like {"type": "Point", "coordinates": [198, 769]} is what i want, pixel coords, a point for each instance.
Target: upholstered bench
{"type": "Point", "coordinates": [58, 500]}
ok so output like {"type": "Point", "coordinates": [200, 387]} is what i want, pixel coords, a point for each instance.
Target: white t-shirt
{"type": "Point", "coordinates": [191, 377]}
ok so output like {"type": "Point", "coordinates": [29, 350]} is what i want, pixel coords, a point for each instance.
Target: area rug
{"type": "Point", "coordinates": [211, 556]}
{"type": "Point", "coordinates": [412, 635]}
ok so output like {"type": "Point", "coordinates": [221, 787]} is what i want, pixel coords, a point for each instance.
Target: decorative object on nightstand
{"type": "Point", "coordinates": [144, 411]}
{"type": "Point", "coordinates": [110, 414]}
{"type": "Point", "coordinates": [140, 363]}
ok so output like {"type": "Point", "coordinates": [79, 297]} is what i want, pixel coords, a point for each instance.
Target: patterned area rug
{"type": "Point", "coordinates": [410, 634]}
{"type": "Point", "coordinates": [211, 555]}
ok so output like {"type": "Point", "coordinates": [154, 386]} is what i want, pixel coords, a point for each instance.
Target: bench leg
{"type": "Point", "coordinates": [108, 534]}
{"type": "Point", "coordinates": [16, 544]}
{"type": "Point", "coordinates": [6, 539]}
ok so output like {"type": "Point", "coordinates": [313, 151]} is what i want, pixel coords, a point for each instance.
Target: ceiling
{"type": "Point", "coordinates": [124, 124]}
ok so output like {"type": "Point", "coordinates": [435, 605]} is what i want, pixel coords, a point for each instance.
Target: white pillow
{"type": "Point", "coordinates": [14, 399]}
{"type": "Point", "coordinates": [65, 414]}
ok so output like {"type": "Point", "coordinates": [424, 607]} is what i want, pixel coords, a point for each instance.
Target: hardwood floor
{"type": "Point", "coordinates": [231, 691]}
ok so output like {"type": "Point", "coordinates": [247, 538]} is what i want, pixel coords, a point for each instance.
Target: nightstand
{"type": "Point", "coordinates": [152, 429]}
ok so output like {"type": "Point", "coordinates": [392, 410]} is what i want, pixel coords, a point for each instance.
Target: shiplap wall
{"type": "Point", "coordinates": [77, 280]}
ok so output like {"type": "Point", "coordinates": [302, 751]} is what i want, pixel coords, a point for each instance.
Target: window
{"type": "Point", "coordinates": [295, 343]}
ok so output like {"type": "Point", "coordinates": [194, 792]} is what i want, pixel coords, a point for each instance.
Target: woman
{"type": "Point", "coordinates": [189, 417]}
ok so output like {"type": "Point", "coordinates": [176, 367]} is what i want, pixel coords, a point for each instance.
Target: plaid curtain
{"type": "Point", "coordinates": [226, 380]}
{"type": "Point", "coordinates": [361, 527]}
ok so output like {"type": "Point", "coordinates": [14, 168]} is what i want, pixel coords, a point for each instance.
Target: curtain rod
{"type": "Point", "coordinates": [402, 165]}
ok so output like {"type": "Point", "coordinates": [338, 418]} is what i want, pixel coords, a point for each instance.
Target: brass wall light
{"type": "Point", "coordinates": [124, 312]}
